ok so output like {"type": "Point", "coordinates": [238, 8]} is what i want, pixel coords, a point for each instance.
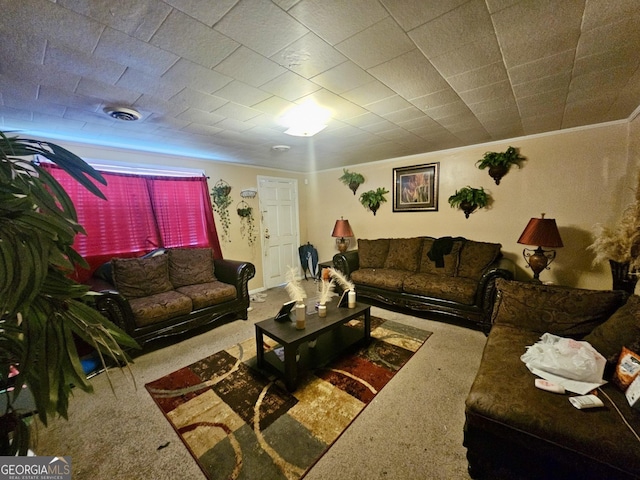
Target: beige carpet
{"type": "Point", "coordinates": [411, 430]}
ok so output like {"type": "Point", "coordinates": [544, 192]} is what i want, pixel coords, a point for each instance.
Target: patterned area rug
{"type": "Point", "coordinates": [241, 423]}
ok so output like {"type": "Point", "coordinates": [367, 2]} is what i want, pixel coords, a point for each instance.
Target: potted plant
{"type": "Point", "coordinates": [499, 163]}
{"type": "Point", "coordinates": [620, 247]}
{"type": "Point", "coordinates": [41, 308]}
{"type": "Point", "coordinates": [372, 199]}
{"type": "Point", "coordinates": [247, 222]}
{"type": "Point", "coordinates": [221, 201]}
{"type": "Point", "coordinates": [468, 199]}
{"type": "Point", "coordinates": [352, 179]}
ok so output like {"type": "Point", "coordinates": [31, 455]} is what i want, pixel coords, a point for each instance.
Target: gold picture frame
{"type": "Point", "coordinates": [415, 189]}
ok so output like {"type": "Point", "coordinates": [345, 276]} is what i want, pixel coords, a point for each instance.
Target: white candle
{"type": "Point", "coordinates": [322, 310]}
{"type": "Point", "coordinates": [300, 316]}
{"type": "Point", "coordinates": [352, 299]}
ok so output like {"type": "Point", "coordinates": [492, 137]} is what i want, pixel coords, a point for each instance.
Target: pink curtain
{"type": "Point", "coordinates": [141, 213]}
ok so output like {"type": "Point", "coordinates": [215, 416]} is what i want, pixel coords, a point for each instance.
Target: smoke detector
{"type": "Point", "coordinates": [123, 113]}
{"type": "Point", "coordinates": [280, 148]}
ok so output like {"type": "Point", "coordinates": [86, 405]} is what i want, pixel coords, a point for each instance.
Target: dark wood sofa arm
{"type": "Point", "coordinates": [236, 273]}
{"type": "Point", "coordinates": [347, 262]}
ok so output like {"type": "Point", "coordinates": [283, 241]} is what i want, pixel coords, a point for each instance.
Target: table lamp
{"type": "Point", "coordinates": [542, 232]}
{"type": "Point", "coordinates": [341, 230]}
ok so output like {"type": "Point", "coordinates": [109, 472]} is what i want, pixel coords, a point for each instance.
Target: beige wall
{"type": "Point", "coordinates": [579, 177]}
{"type": "Point", "coordinates": [238, 176]}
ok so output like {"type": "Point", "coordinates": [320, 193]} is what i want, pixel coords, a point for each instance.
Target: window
{"type": "Point", "coordinates": [141, 213]}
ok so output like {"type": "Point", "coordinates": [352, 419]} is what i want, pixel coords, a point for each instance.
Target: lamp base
{"type": "Point", "coordinates": [538, 261]}
{"type": "Point", "coordinates": [342, 244]}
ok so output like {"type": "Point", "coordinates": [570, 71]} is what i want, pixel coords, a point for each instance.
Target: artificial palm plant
{"type": "Point", "coordinates": [42, 310]}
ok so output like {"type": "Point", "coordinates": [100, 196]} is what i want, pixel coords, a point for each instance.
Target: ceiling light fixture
{"type": "Point", "coordinates": [306, 119]}
{"type": "Point", "coordinates": [123, 113]}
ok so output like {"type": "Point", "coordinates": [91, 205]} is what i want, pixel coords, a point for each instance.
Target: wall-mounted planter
{"type": "Point", "coordinates": [469, 199]}
{"type": "Point", "coordinates": [499, 163]}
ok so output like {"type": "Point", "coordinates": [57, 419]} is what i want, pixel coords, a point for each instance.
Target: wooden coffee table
{"type": "Point", "coordinates": [331, 334]}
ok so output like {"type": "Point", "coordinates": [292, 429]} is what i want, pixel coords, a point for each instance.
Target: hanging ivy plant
{"type": "Point", "coordinates": [247, 223]}
{"type": "Point", "coordinates": [221, 201]}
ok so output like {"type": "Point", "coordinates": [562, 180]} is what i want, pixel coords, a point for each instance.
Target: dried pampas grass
{"type": "Point", "coordinates": [326, 291]}
{"type": "Point", "coordinates": [622, 242]}
{"type": "Point", "coordinates": [342, 280]}
{"type": "Point", "coordinates": [293, 287]}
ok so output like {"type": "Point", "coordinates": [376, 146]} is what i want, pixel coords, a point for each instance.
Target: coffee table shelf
{"type": "Point", "coordinates": [332, 336]}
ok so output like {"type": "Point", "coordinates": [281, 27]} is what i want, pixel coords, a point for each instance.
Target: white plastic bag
{"type": "Point", "coordinates": [565, 357]}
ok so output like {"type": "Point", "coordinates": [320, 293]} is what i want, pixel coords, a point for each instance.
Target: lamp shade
{"type": "Point", "coordinates": [342, 229]}
{"type": "Point", "coordinates": [542, 232]}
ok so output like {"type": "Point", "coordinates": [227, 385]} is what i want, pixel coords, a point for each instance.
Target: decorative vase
{"type": "Point", "coordinates": [497, 172]}
{"type": "Point", "coordinates": [622, 278]}
{"type": "Point", "coordinates": [351, 299]}
{"type": "Point", "coordinates": [300, 316]}
{"type": "Point", "coordinates": [322, 311]}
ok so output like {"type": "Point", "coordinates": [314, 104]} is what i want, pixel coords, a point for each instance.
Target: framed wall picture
{"type": "Point", "coordinates": [415, 189]}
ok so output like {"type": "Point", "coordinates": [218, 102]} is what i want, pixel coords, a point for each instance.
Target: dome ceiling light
{"type": "Point", "coordinates": [123, 113]}
{"type": "Point", "coordinates": [306, 119]}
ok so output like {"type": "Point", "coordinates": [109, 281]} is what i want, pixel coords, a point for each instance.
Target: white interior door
{"type": "Point", "coordinates": [279, 227]}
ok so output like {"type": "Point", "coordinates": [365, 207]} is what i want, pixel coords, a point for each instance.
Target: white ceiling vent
{"type": "Point", "coordinates": [123, 113]}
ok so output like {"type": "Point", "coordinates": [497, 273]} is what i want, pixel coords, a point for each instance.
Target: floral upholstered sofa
{"type": "Point", "coordinates": [514, 430]}
{"type": "Point", "coordinates": [170, 291]}
{"type": "Point", "coordinates": [450, 276]}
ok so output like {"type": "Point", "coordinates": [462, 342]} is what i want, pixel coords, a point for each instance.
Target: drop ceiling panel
{"type": "Point", "coordinates": [139, 19]}
{"type": "Point", "coordinates": [400, 76]}
{"type": "Point", "coordinates": [260, 26]}
{"type": "Point", "coordinates": [337, 20]}
{"type": "Point", "coordinates": [377, 44]}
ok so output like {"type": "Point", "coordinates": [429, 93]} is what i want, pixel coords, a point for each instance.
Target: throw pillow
{"type": "Point", "coordinates": [373, 253]}
{"type": "Point", "coordinates": [475, 257]}
{"type": "Point", "coordinates": [141, 277]}
{"type": "Point", "coordinates": [450, 260]}
{"type": "Point", "coordinates": [563, 311]}
{"type": "Point", "coordinates": [622, 329]}
{"type": "Point", "coordinates": [191, 266]}
{"type": "Point", "coordinates": [404, 254]}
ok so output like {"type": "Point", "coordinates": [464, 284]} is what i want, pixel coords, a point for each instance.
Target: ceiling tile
{"type": "Point", "coordinates": [249, 67]}
{"type": "Point", "coordinates": [453, 30]}
{"type": "Point", "coordinates": [602, 12]}
{"type": "Point", "coordinates": [542, 67]}
{"type": "Point", "coordinates": [377, 44]}
{"type": "Point", "coordinates": [411, 75]}
{"type": "Point", "coordinates": [620, 35]}
{"type": "Point", "coordinates": [237, 112]}
{"type": "Point", "coordinates": [139, 19]}
{"type": "Point", "coordinates": [199, 116]}
{"type": "Point", "coordinates": [188, 38]}
{"type": "Point", "coordinates": [199, 100]}
{"type": "Point", "coordinates": [343, 77]}
{"type": "Point", "coordinates": [274, 106]}
{"type": "Point", "coordinates": [495, 91]}
{"type": "Point", "coordinates": [388, 105]}
{"type": "Point", "coordinates": [368, 93]}
{"type": "Point", "coordinates": [208, 13]}
{"type": "Point", "coordinates": [68, 99]}
{"type": "Point", "coordinates": [364, 119]}
{"type": "Point", "coordinates": [440, 97]}
{"type": "Point", "coordinates": [140, 82]}
{"type": "Point", "coordinates": [337, 20]}
{"type": "Point", "coordinates": [309, 56]}
{"type": "Point", "coordinates": [470, 56]}
{"type": "Point", "coordinates": [444, 111]}
{"type": "Point", "coordinates": [487, 75]}
{"type": "Point", "coordinates": [340, 108]}
{"type": "Point", "coordinates": [261, 26]}
{"type": "Point", "coordinates": [78, 63]}
{"type": "Point", "coordinates": [531, 30]}
{"type": "Point", "coordinates": [411, 13]}
{"type": "Point", "coordinates": [290, 86]}
{"type": "Point", "coordinates": [404, 115]}
{"type": "Point", "coordinates": [241, 93]}
{"type": "Point", "coordinates": [128, 51]}
{"type": "Point", "coordinates": [110, 94]}
{"type": "Point", "coordinates": [59, 25]}
{"type": "Point", "coordinates": [188, 74]}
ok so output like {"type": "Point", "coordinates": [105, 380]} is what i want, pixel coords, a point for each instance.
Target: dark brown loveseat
{"type": "Point", "coordinates": [170, 291]}
{"type": "Point", "coordinates": [454, 277]}
{"type": "Point", "coordinates": [516, 431]}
